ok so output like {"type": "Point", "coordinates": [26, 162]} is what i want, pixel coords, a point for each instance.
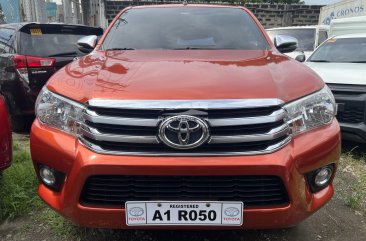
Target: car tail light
{"type": "Point", "coordinates": [22, 63]}
{"type": "Point", "coordinates": [39, 62]}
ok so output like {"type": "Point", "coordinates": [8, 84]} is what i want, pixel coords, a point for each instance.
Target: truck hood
{"type": "Point", "coordinates": [184, 74]}
{"type": "Point", "coordinates": [340, 73]}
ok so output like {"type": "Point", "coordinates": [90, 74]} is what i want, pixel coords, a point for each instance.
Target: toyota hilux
{"type": "Point", "coordinates": [185, 116]}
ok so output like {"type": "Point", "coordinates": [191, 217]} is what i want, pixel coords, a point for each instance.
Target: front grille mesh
{"type": "Point", "coordinates": [352, 114]}
{"type": "Point", "coordinates": [253, 191]}
{"type": "Point", "coordinates": [233, 130]}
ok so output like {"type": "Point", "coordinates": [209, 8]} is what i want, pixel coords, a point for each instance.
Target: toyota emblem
{"type": "Point", "coordinates": [136, 211]}
{"type": "Point", "coordinates": [183, 132]}
{"type": "Point", "coordinates": [231, 211]}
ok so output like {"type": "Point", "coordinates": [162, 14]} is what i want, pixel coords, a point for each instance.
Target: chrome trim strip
{"type": "Point", "coordinates": [119, 138]}
{"type": "Point", "coordinates": [268, 150]}
{"type": "Point", "coordinates": [95, 118]}
{"type": "Point", "coordinates": [275, 116]}
{"type": "Point", "coordinates": [185, 104]}
{"type": "Point", "coordinates": [92, 116]}
{"type": "Point", "coordinates": [271, 135]}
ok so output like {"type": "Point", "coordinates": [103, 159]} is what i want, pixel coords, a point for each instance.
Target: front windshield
{"type": "Point", "coordinates": [185, 28]}
{"type": "Point", "coordinates": [306, 37]}
{"type": "Point", "coordinates": [342, 50]}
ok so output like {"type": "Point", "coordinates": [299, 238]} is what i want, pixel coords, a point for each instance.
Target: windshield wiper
{"type": "Point", "coordinates": [358, 62]}
{"type": "Point", "coordinates": [71, 54]}
{"type": "Point", "coordinates": [319, 61]}
{"type": "Point", "coordinates": [121, 49]}
{"type": "Point", "coordinates": [185, 48]}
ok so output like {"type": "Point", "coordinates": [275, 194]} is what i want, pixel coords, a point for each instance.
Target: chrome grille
{"type": "Point", "coordinates": [237, 127]}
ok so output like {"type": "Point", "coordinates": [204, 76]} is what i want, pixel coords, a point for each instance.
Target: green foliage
{"type": "Point", "coordinates": [18, 186]}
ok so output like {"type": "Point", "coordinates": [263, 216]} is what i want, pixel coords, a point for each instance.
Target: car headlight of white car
{"type": "Point", "coordinates": [58, 112]}
{"type": "Point", "coordinates": [311, 111]}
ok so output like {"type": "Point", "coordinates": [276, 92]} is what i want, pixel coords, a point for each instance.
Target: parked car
{"type": "Point", "coordinates": [309, 37]}
{"type": "Point", "coordinates": [347, 26]}
{"type": "Point", "coordinates": [30, 53]}
{"type": "Point", "coordinates": [186, 116]}
{"type": "Point", "coordinates": [5, 137]}
{"type": "Point", "coordinates": [341, 62]}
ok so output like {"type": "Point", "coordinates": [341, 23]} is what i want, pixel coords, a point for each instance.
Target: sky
{"type": "Point", "coordinates": [321, 2]}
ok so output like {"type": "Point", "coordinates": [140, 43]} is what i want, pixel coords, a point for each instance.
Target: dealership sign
{"type": "Point", "coordinates": [343, 9]}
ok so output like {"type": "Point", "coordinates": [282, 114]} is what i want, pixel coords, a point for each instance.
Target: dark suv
{"type": "Point", "coordinates": [30, 53]}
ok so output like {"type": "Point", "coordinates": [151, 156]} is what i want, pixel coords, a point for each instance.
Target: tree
{"type": "Point", "coordinates": [2, 17]}
{"type": "Point", "coordinates": [275, 1]}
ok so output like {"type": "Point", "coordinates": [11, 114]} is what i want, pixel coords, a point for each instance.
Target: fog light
{"type": "Point", "coordinates": [51, 178]}
{"type": "Point", "coordinates": [320, 178]}
{"type": "Point", "coordinates": [323, 176]}
{"type": "Point", "coordinates": [47, 175]}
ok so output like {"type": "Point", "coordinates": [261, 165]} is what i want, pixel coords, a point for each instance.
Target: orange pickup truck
{"type": "Point", "coordinates": [188, 117]}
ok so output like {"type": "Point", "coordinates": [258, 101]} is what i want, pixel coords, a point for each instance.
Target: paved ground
{"type": "Point", "coordinates": [335, 221]}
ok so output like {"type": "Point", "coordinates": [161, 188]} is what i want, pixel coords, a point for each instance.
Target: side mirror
{"type": "Point", "coordinates": [301, 57]}
{"type": "Point", "coordinates": [87, 44]}
{"type": "Point", "coordinates": [285, 44]}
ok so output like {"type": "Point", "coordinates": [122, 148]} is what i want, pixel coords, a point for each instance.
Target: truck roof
{"type": "Point", "coordinates": [17, 26]}
{"type": "Point", "coordinates": [355, 35]}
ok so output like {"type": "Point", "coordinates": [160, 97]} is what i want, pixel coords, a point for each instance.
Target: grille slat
{"type": "Point", "coordinates": [351, 114]}
{"type": "Point", "coordinates": [351, 101]}
{"type": "Point", "coordinates": [257, 191]}
{"type": "Point", "coordinates": [110, 191]}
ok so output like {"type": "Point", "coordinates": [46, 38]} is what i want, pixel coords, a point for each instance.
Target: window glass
{"type": "Point", "coordinates": [6, 40]}
{"type": "Point", "coordinates": [347, 50]}
{"type": "Point", "coordinates": [182, 28]}
{"type": "Point", "coordinates": [306, 37]}
{"type": "Point", "coordinates": [323, 35]}
{"type": "Point", "coordinates": [51, 39]}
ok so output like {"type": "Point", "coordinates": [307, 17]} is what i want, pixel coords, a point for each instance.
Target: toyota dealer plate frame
{"type": "Point", "coordinates": [182, 213]}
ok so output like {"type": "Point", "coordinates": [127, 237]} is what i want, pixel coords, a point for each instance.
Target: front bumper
{"type": "Point", "coordinates": [351, 101]}
{"type": "Point", "coordinates": [305, 153]}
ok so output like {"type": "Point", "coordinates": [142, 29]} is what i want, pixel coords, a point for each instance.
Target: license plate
{"type": "Point", "coordinates": [184, 213]}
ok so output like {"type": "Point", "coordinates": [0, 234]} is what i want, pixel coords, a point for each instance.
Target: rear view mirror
{"type": "Point", "coordinates": [285, 44]}
{"type": "Point", "coordinates": [87, 44]}
{"type": "Point", "coordinates": [301, 57]}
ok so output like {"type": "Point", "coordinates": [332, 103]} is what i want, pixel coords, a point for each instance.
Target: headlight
{"type": "Point", "coordinates": [311, 111]}
{"type": "Point", "coordinates": [58, 112]}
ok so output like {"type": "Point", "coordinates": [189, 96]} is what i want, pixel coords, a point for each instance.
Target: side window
{"type": "Point", "coordinates": [7, 40]}
{"type": "Point", "coordinates": [323, 35]}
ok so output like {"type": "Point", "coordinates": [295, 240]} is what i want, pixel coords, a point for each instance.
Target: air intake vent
{"type": "Point", "coordinates": [253, 191]}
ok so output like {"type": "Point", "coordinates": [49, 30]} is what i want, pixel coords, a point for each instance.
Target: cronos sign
{"type": "Point", "coordinates": [342, 10]}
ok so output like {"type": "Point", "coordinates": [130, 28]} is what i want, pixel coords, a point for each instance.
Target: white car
{"type": "Point", "coordinates": [341, 62]}
{"type": "Point", "coordinates": [309, 37]}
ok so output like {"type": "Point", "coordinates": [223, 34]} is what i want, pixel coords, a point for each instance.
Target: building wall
{"type": "Point", "coordinates": [94, 13]}
{"type": "Point", "coordinates": [270, 15]}
{"type": "Point", "coordinates": [34, 10]}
